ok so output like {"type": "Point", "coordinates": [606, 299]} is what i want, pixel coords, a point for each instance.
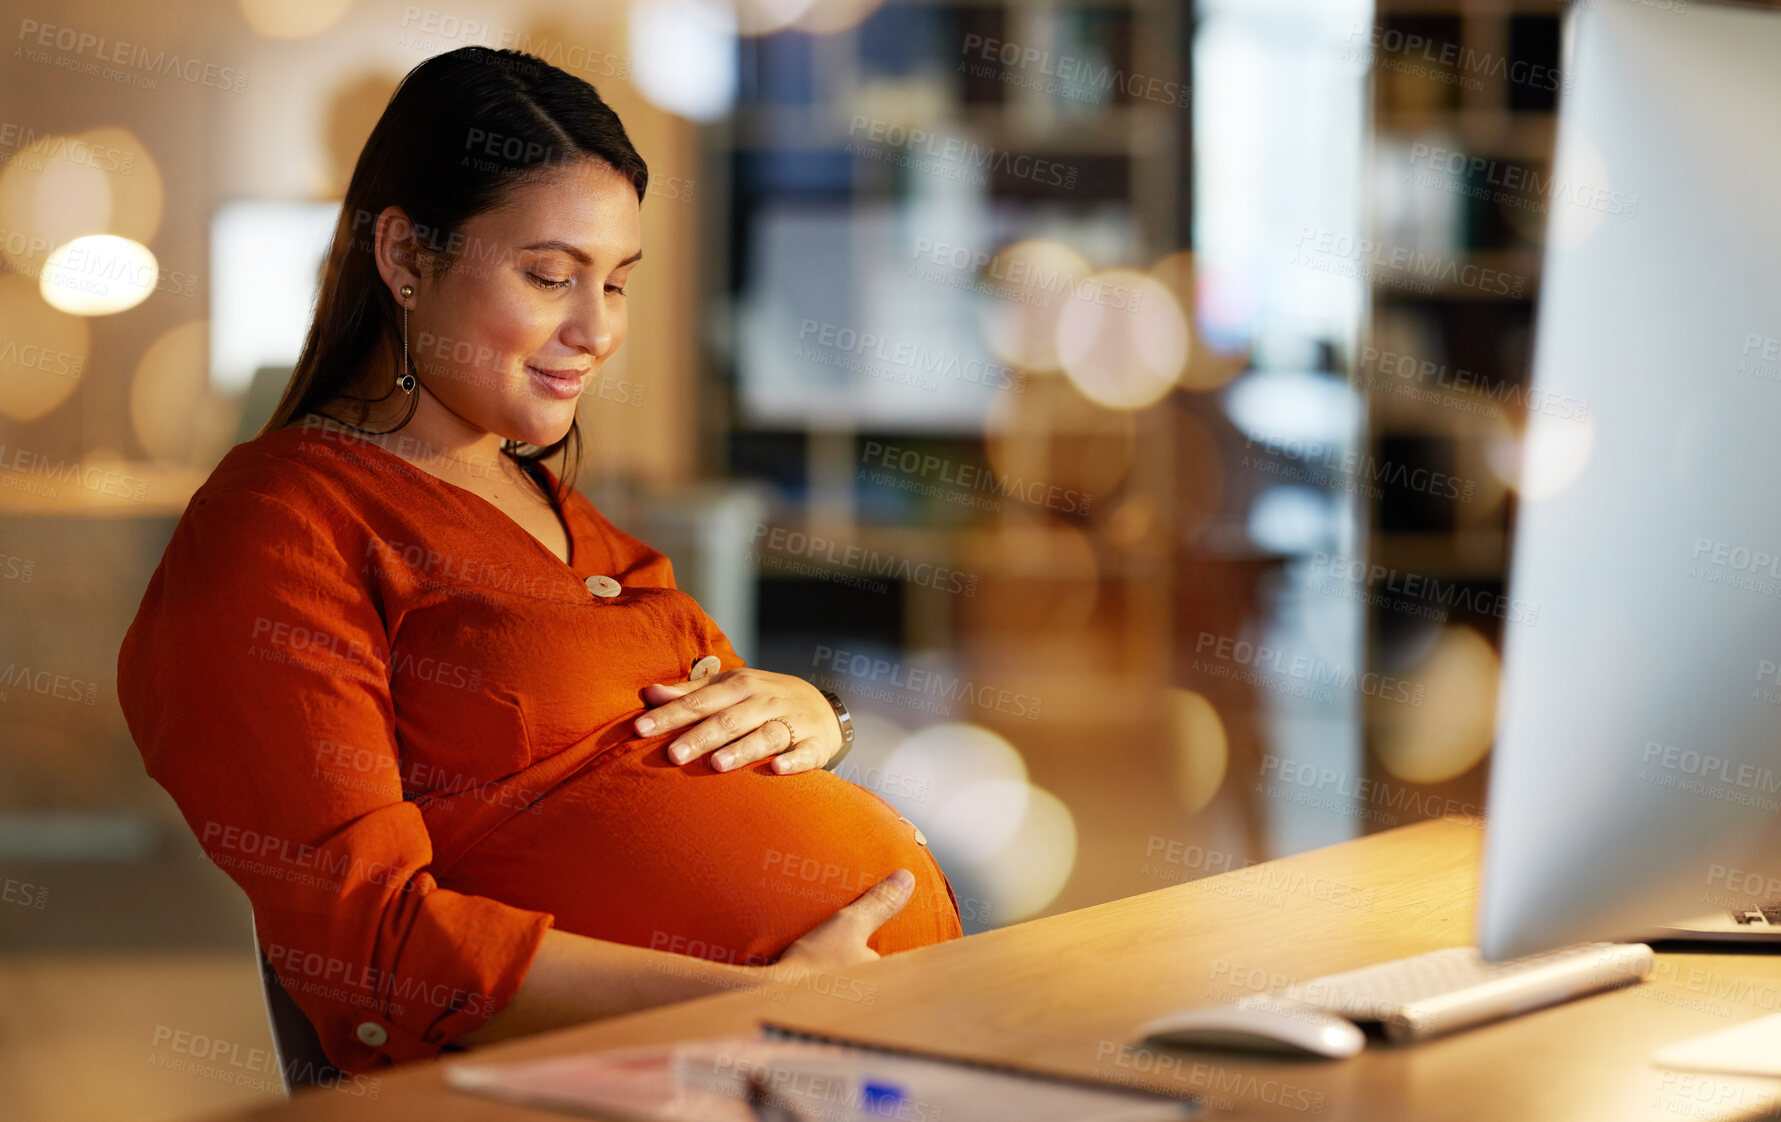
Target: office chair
{"type": "Point", "coordinates": [301, 1061]}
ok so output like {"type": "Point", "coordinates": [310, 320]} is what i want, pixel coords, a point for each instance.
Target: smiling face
{"type": "Point", "coordinates": [510, 334]}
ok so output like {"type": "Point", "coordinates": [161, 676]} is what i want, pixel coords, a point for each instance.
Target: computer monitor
{"type": "Point", "coordinates": [1637, 772]}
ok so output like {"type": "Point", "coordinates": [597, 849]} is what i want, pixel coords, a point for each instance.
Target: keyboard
{"type": "Point", "coordinates": [1430, 994]}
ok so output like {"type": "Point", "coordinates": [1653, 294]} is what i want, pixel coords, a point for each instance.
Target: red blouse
{"type": "Point", "coordinates": [404, 727]}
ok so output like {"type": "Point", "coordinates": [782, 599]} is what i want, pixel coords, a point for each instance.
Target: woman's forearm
{"type": "Point", "coordinates": [574, 979]}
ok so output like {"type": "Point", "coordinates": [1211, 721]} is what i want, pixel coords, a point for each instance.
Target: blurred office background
{"type": "Point", "coordinates": [1187, 341]}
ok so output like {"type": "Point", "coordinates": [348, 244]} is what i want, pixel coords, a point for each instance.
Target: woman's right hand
{"type": "Point", "coordinates": [840, 940]}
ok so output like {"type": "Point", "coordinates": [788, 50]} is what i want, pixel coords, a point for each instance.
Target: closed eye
{"type": "Point", "coordinates": [547, 282]}
{"type": "Point", "coordinates": [615, 288]}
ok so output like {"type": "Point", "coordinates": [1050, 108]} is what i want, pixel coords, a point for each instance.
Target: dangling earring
{"type": "Point", "coordinates": [406, 381]}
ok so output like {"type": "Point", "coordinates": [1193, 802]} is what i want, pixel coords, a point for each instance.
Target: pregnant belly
{"type": "Point", "coordinates": [729, 866]}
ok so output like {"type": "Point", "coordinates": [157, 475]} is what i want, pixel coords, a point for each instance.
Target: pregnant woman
{"type": "Point", "coordinates": [480, 767]}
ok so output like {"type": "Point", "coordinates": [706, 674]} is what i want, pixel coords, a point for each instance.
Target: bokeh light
{"type": "Point", "coordinates": [43, 352]}
{"type": "Point", "coordinates": [292, 19]}
{"type": "Point", "coordinates": [1207, 368]}
{"type": "Point", "coordinates": [1037, 279]}
{"type": "Point", "coordinates": [1125, 346]}
{"type": "Point", "coordinates": [1279, 406]}
{"type": "Point", "coordinates": [1549, 455]}
{"type": "Point", "coordinates": [974, 785]}
{"type": "Point", "coordinates": [172, 411]}
{"type": "Point", "coordinates": [1202, 752]}
{"type": "Point", "coordinates": [1292, 519]}
{"type": "Point", "coordinates": [137, 193]}
{"type": "Point", "coordinates": [1026, 874]}
{"type": "Point", "coordinates": [683, 56]}
{"type": "Point", "coordinates": [49, 200]}
{"type": "Point", "coordinates": [1449, 732]}
{"type": "Point", "coordinates": [98, 275]}
{"type": "Point", "coordinates": [1054, 436]}
{"type": "Point", "coordinates": [63, 187]}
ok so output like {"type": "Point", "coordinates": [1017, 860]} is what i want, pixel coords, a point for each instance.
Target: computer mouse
{"type": "Point", "coordinates": [1261, 1025]}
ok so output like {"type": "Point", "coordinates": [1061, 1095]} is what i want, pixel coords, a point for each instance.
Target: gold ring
{"type": "Point", "coordinates": [791, 737]}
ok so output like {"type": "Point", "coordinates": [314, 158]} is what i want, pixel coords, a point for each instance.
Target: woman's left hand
{"type": "Point", "coordinates": [745, 715]}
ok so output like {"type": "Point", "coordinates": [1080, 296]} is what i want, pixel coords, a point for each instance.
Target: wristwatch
{"type": "Point", "coordinates": [846, 719]}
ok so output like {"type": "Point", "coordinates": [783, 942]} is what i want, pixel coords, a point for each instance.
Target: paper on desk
{"type": "Point", "coordinates": [1752, 1048]}
{"type": "Point", "coordinates": [706, 1081]}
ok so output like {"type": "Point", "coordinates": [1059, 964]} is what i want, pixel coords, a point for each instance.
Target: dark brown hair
{"type": "Point", "coordinates": [460, 132]}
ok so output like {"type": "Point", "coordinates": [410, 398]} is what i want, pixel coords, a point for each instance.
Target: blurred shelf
{"type": "Point", "coordinates": [1503, 276]}
{"type": "Point", "coordinates": [1038, 551]}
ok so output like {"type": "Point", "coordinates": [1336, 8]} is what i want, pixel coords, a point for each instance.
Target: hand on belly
{"type": "Point", "coordinates": [732, 866]}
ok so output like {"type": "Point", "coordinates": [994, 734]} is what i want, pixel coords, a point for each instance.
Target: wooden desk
{"type": "Point", "coordinates": [1066, 992]}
